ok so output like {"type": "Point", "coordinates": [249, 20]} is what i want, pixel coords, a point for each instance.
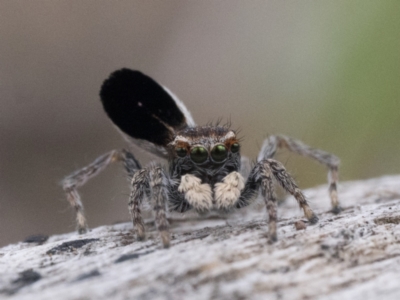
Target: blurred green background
{"type": "Point", "coordinates": [325, 72]}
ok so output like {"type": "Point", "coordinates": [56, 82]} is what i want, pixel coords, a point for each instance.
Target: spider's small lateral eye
{"type": "Point", "coordinates": [235, 148]}
{"type": "Point", "coordinates": [199, 154]}
{"type": "Point", "coordinates": [219, 153]}
{"type": "Point", "coordinates": [181, 152]}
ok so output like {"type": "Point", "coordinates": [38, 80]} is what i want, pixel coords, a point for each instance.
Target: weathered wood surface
{"type": "Point", "coordinates": [355, 255]}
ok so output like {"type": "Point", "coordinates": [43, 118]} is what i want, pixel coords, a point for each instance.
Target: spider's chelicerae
{"type": "Point", "coordinates": [205, 166]}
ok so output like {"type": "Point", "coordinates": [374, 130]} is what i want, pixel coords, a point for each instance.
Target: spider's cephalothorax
{"type": "Point", "coordinates": [205, 171]}
{"type": "Point", "coordinates": [205, 161]}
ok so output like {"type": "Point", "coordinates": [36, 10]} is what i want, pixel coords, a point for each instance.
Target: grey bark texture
{"type": "Point", "coordinates": [353, 255]}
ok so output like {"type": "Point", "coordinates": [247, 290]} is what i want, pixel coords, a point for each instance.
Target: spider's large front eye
{"type": "Point", "coordinates": [219, 153]}
{"type": "Point", "coordinates": [235, 147]}
{"type": "Point", "coordinates": [181, 152]}
{"type": "Point", "coordinates": [199, 154]}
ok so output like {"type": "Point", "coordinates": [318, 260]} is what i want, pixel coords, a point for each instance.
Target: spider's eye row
{"type": "Point", "coordinates": [235, 148]}
{"type": "Point", "coordinates": [199, 154]}
{"type": "Point", "coordinates": [219, 153]}
{"type": "Point", "coordinates": [181, 152]}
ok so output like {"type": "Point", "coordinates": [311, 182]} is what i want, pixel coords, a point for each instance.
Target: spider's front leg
{"type": "Point", "coordinates": [153, 183]}
{"type": "Point", "coordinates": [261, 177]}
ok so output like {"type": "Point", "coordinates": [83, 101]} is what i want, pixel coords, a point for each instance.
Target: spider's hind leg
{"type": "Point", "coordinates": [332, 162]}
{"type": "Point", "coordinates": [80, 177]}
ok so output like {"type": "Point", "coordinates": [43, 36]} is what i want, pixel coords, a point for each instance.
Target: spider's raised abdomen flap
{"type": "Point", "coordinates": [142, 108]}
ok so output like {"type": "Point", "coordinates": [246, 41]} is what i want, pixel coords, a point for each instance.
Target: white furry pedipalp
{"type": "Point", "coordinates": [198, 195]}
{"type": "Point", "coordinates": [228, 191]}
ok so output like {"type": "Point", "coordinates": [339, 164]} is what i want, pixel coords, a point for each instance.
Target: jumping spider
{"type": "Point", "coordinates": [204, 171]}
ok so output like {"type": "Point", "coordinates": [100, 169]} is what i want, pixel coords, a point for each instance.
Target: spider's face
{"type": "Point", "coordinates": [207, 150]}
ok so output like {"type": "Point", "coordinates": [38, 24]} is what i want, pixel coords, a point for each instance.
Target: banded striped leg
{"type": "Point", "coordinates": [271, 145]}
{"type": "Point", "coordinates": [150, 182]}
{"type": "Point", "coordinates": [267, 191]}
{"type": "Point", "coordinates": [80, 177]}
{"type": "Point", "coordinates": [261, 176]}
{"type": "Point", "coordinates": [288, 183]}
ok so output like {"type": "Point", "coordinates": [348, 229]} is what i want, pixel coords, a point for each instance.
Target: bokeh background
{"type": "Point", "coordinates": [326, 72]}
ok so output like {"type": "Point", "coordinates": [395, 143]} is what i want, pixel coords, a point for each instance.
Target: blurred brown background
{"type": "Point", "coordinates": [326, 72]}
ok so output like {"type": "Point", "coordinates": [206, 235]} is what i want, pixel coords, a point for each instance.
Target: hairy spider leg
{"type": "Point", "coordinates": [261, 177]}
{"type": "Point", "coordinates": [153, 183]}
{"type": "Point", "coordinates": [329, 160]}
{"type": "Point", "coordinates": [80, 177]}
